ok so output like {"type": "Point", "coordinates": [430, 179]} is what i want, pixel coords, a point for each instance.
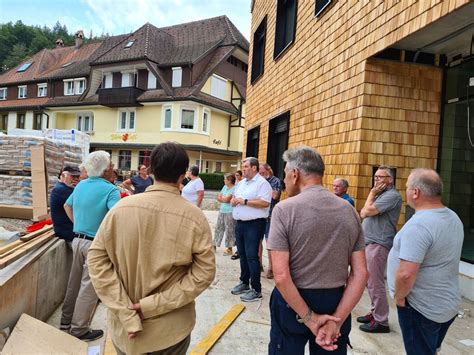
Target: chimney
{"type": "Point", "coordinates": [79, 38]}
{"type": "Point", "coordinates": [59, 43]}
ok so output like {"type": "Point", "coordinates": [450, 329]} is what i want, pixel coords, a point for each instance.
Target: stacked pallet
{"type": "Point", "coordinates": [16, 165]}
{"type": "Point", "coordinates": [28, 243]}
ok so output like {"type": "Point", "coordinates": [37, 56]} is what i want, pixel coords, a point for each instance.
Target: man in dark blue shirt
{"type": "Point", "coordinates": [60, 193]}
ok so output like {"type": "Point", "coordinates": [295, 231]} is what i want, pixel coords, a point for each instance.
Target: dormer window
{"type": "Point", "coordinates": [130, 43]}
{"type": "Point", "coordinates": [128, 79]}
{"type": "Point", "coordinates": [22, 92]}
{"type": "Point", "coordinates": [74, 86]}
{"type": "Point", "coordinates": [24, 67]}
{"type": "Point", "coordinates": [42, 90]}
{"type": "Point", "coordinates": [177, 76]}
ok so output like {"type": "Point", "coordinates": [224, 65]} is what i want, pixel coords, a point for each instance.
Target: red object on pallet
{"type": "Point", "coordinates": [37, 226]}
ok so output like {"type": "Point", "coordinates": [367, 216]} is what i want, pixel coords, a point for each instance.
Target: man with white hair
{"type": "Point", "coordinates": [423, 266]}
{"type": "Point", "coordinates": [340, 187]}
{"type": "Point", "coordinates": [86, 207]}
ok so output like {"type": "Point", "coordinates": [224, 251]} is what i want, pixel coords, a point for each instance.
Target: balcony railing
{"type": "Point", "coordinates": [119, 97]}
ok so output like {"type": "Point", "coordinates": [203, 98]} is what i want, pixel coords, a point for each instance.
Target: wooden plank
{"type": "Point", "coordinates": [32, 235]}
{"type": "Point", "coordinates": [10, 246]}
{"type": "Point", "coordinates": [39, 183]}
{"type": "Point", "coordinates": [26, 249]}
{"type": "Point", "coordinates": [16, 211]}
{"type": "Point", "coordinates": [32, 336]}
{"type": "Point", "coordinates": [219, 329]}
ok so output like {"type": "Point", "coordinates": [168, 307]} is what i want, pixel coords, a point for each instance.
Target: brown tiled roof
{"type": "Point", "coordinates": [72, 100]}
{"type": "Point", "coordinates": [23, 103]}
{"type": "Point", "coordinates": [49, 63]}
{"type": "Point", "coordinates": [176, 45]}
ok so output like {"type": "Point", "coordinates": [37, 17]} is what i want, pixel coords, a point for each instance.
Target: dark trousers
{"type": "Point", "coordinates": [177, 349]}
{"type": "Point", "coordinates": [287, 336]}
{"type": "Point", "coordinates": [421, 336]}
{"type": "Point", "coordinates": [247, 237]}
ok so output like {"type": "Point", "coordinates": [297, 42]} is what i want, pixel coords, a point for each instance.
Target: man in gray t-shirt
{"type": "Point", "coordinates": [380, 212]}
{"type": "Point", "coordinates": [314, 238]}
{"type": "Point", "coordinates": [423, 266]}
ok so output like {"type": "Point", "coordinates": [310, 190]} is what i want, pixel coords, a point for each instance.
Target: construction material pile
{"type": "Point", "coordinates": [15, 165]}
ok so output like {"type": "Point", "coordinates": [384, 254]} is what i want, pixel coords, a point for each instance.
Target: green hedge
{"type": "Point", "coordinates": [212, 181]}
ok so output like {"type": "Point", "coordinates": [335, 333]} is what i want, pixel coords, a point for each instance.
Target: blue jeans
{"type": "Point", "coordinates": [247, 237]}
{"type": "Point", "coordinates": [267, 227]}
{"type": "Point", "coordinates": [420, 335]}
{"type": "Point", "coordinates": [289, 337]}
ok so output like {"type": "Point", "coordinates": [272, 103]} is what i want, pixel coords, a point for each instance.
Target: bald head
{"type": "Point", "coordinates": [427, 181]}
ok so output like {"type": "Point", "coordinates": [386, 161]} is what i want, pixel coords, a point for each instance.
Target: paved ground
{"type": "Point", "coordinates": [250, 332]}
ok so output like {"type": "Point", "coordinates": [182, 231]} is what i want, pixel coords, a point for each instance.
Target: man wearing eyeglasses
{"type": "Point", "coordinates": [380, 213]}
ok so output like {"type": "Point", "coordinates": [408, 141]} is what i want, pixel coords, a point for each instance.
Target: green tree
{"type": "Point", "coordinates": [17, 55]}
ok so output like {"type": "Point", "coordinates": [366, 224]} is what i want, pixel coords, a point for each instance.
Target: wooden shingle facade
{"type": "Point", "coordinates": [361, 81]}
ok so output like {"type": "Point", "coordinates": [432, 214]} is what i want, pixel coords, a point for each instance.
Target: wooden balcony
{"type": "Point", "coordinates": [119, 97]}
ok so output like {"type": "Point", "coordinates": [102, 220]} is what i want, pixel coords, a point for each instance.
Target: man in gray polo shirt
{"type": "Point", "coordinates": [380, 212]}
{"type": "Point", "coordinates": [423, 266]}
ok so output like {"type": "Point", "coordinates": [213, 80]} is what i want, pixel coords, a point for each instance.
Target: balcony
{"type": "Point", "coordinates": [119, 97]}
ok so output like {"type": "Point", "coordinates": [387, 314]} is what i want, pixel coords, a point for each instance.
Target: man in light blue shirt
{"type": "Point", "coordinates": [86, 207]}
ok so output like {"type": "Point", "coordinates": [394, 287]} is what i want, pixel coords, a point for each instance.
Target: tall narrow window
{"type": "Point", "coordinates": [278, 143]}
{"type": "Point", "coordinates": [3, 93]}
{"type": "Point", "coordinates": [151, 80]}
{"type": "Point", "coordinates": [177, 76]}
{"type": "Point", "coordinates": [125, 159]}
{"type": "Point", "coordinates": [42, 90]}
{"type": "Point", "coordinates": [253, 139]}
{"type": "Point", "coordinates": [38, 121]}
{"type": "Point", "coordinates": [80, 86]}
{"type": "Point", "coordinates": [85, 121]}
{"type": "Point", "coordinates": [20, 120]}
{"type": "Point", "coordinates": [108, 81]}
{"type": "Point", "coordinates": [205, 121]}
{"type": "Point", "coordinates": [167, 117]}
{"type": "Point", "coordinates": [285, 25]}
{"type": "Point", "coordinates": [258, 55]}
{"type": "Point", "coordinates": [68, 87]}
{"type": "Point", "coordinates": [22, 92]}
{"type": "Point", "coordinates": [3, 123]}
{"type": "Point", "coordinates": [128, 79]}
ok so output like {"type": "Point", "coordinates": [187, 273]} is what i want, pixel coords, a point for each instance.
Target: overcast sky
{"type": "Point", "coordinates": [122, 16]}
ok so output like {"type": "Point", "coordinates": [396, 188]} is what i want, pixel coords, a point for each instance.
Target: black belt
{"type": "Point", "coordinates": [84, 236]}
{"type": "Point", "coordinates": [251, 220]}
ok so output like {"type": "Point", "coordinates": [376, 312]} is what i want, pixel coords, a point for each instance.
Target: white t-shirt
{"type": "Point", "coordinates": [190, 191]}
{"type": "Point", "coordinates": [256, 188]}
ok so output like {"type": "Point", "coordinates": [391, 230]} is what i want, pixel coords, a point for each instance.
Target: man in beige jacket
{"type": "Point", "coordinates": [151, 258]}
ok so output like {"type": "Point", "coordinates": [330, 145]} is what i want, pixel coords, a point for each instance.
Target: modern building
{"type": "Point", "coordinates": [368, 83]}
{"type": "Point", "coordinates": [184, 83]}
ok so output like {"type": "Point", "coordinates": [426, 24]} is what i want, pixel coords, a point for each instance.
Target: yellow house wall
{"type": "Point", "coordinates": [228, 89]}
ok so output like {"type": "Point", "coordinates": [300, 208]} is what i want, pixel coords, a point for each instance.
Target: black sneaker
{"type": "Point", "coordinates": [91, 335]}
{"type": "Point", "coordinates": [374, 327]}
{"type": "Point", "coordinates": [235, 256]}
{"type": "Point", "coordinates": [365, 319]}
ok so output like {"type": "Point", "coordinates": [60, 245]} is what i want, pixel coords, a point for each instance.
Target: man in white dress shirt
{"type": "Point", "coordinates": [251, 204]}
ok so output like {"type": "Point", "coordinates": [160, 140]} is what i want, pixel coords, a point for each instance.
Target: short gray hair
{"type": "Point", "coordinates": [97, 163]}
{"type": "Point", "coordinates": [427, 181]}
{"type": "Point", "coordinates": [388, 169]}
{"type": "Point", "coordinates": [345, 183]}
{"type": "Point", "coordinates": [307, 160]}
{"type": "Point", "coordinates": [253, 162]}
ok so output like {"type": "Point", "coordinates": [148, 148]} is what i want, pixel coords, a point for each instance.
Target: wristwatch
{"type": "Point", "coordinates": [245, 202]}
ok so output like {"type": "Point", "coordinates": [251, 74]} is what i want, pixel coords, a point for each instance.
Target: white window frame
{"type": "Point", "coordinates": [3, 93]}
{"type": "Point", "coordinates": [68, 92]}
{"type": "Point", "coordinates": [130, 74]}
{"type": "Point", "coordinates": [218, 87]}
{"type": "Point", "coordinates": [177, 77]}
{"type": "Point", "coordinates": [151, 81]}
{"type": "Point", "coordinates": [80, 121]}
{"type": "Point", "coordinates": [42, 90]}
{"type": "Point", "coordinates": [163, 118]}
{"type": "Point", "coordinates": [128, 127]}
{"type": "Point", "coordinates": [108, 80]}
{"type": "Point", "coordinates": [187, 108]}
{"type": "Point", "coordinates": [22, 91]}
{"type": "Point", "coordinates": [77, 87]}
{"type": "Point", "coordinates": [204, 112]}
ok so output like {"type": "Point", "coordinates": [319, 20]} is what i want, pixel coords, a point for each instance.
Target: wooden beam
{"type": "Point", "coordinates": [219, 329]}
{"type": "Point", "coordinates": [10, 246]}
{"type": "Point", "coordinates": [25, 249]}
{"type": "Point", "coordinates": [34, 234]}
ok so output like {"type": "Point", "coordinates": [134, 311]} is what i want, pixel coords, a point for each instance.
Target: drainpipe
{"type": "Point", "coordinates": [200, 160]}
